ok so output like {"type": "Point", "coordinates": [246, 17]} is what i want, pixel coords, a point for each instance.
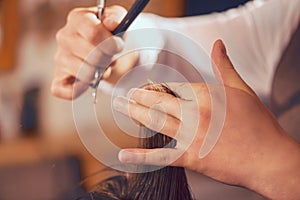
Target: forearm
{"type": "Point", "coordinates": [278, 175]}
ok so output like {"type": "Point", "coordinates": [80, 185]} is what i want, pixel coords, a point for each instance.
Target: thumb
{"type": "Point", "coordinates": [113, 16]}
{"type": "Point", "coordinates": [224, 69]}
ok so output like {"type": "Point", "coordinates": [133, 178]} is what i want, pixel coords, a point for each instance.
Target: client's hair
{"type": "Point", "coordinates": [163, 184]}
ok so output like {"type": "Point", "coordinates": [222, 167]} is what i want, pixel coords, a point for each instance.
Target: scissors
{"type": "Point", "coordinates": [133, 12]}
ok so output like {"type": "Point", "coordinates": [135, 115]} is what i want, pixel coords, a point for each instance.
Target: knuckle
{"type": "Point", "coordinates": [164, 158]}
{"type": "Point", "coordinates": [92, 34]}
{"type": "Point", "coordinates": [144, 158]}
{"type": "Point", "coordinates": [119, 8]}
{"type": "Point", "coordinates": [54, 89]}
{"type": "Point", "coordinates": [204, 93]}
{"type": "Point", "coordinates": [64, 38]}
{"type": "Point", "coordinates": [159, 100]}
{"type": "Point", "coordinates": [60, 35]}
{"type": "Point", "coordinates": [136, 114]}
{"type": "Point", "coordinates": [157, 120]}
{"type": "Point", "coordinates": [140, 96]}
{"type": "Point", "coordinates": [205, 114]}
{"type": "Point", "coordinates": [115, 11]}
{"type": "Point", "coordinates": [174, 101]}
{"type": "Point", "coordinates": [156, 125]}
{"type": "Point", "coordinates": [172, 127]}
{"type": "Point", "coordinates": [189, 158]}
{"type": "Point", "coordinates": [73, 14]}
{"type": "Point", "coordinates": [175, 128]}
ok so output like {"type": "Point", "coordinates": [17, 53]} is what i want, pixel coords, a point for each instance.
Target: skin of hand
{"type": "Point", "coordinates": [253, 151]}
{"type": "Point", "coordinates": [80, 36]}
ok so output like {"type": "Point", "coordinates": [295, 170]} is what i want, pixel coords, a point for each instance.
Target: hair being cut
{"type": "Point", "coordinates": [168, 183]}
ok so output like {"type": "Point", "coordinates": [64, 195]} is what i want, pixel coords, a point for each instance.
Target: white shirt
{"type": "Point", "coordinates": [255, 35]}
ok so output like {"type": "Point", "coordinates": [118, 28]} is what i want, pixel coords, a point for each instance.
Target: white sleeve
{"type": "Point", "coordinates": [255, 34]}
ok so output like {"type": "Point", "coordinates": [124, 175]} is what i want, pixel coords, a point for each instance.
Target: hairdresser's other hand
{"type": "Point", "coordinates": [253, 150]}
{"type": "Point", "coordinates": [80, 36]}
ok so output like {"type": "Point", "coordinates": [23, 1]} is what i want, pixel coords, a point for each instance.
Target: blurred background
{"type": "Point", "coordinates": [41, 156]}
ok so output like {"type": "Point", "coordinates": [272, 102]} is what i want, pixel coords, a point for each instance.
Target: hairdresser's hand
{"type": "Point", "coordinates": [253, 151]}
{"type": "Point", "coordinates": [80, 36]}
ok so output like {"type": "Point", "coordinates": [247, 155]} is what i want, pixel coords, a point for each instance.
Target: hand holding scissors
{"type": "Point", "coordinates": [134, 11]}
{"type": "Point", "coordinates": [77, 39]}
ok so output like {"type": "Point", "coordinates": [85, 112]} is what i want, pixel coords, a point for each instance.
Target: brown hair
{"type": "Point", "coordinates": [165, 183]}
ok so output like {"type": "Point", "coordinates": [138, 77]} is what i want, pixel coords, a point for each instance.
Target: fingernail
{"type": "Point", "coordinates": [125, 156]}
{"type": "Point", "coordinates": [223, 48]}
{"type": "Point", "coordinates": [108, 22]}
{"type": "Point", "coordinates": [121, 104]}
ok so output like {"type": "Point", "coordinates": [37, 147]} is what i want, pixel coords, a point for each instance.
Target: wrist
{"type": "Point", "coordinates": [276, 174]}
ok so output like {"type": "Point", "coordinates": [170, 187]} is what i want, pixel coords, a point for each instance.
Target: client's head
{"type": "Point", "coordinates": [165, 183]}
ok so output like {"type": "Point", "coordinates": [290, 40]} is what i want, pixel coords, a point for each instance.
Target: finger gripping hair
{"type": "Point", "coordinates": [168, 183]}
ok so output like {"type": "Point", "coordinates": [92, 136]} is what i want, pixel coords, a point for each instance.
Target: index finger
{"type": "Point", "coordinates": [154, 99]}
{"type": "Point", "coordinates": [87, 25]}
